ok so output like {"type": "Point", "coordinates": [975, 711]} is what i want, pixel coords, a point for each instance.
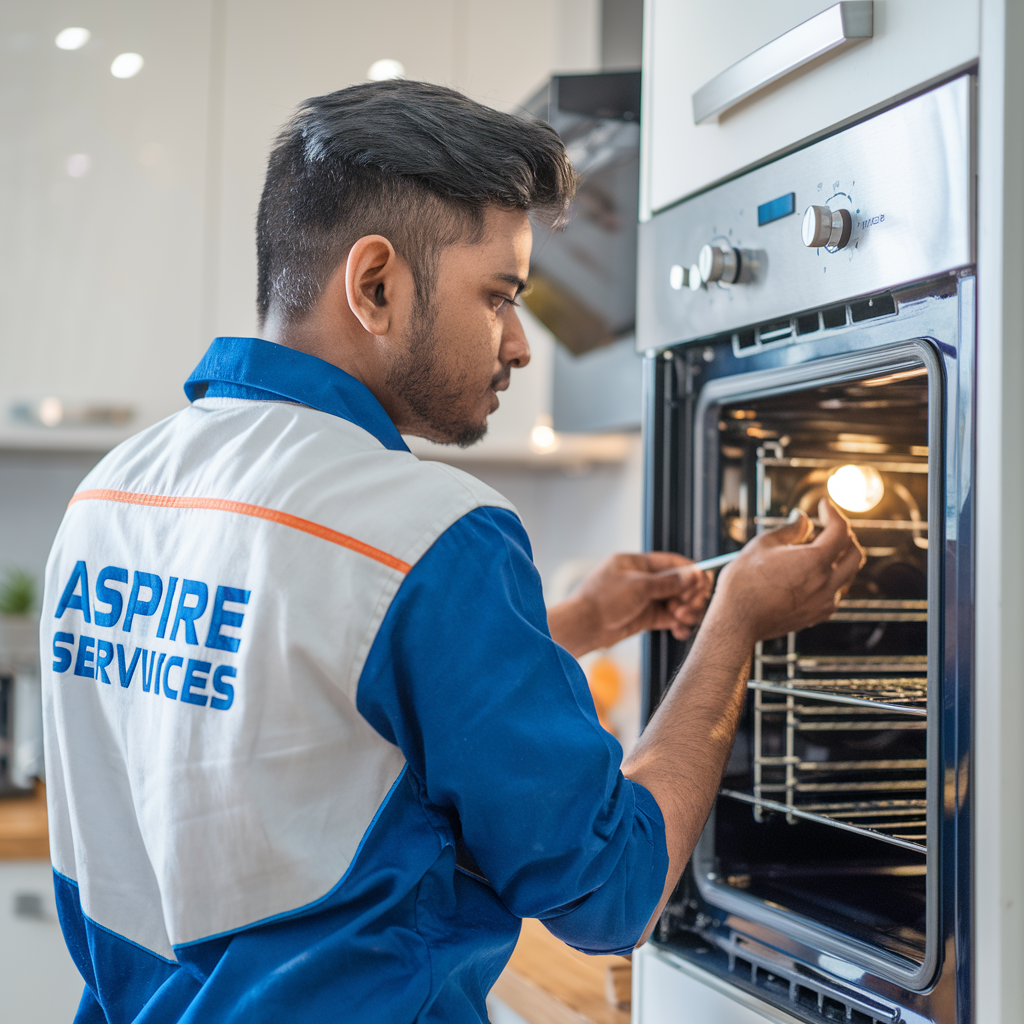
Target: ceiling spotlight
{"type": "Point", "coordinates": [78, 165]}
{"type": "Point", "coordinates": [72, 38]}
{"type": "Point", "coordinates": [543, 438]}
{"type": "Point", "coordinates": [856, 488]}
{"type": "Point", "coordinates": [382, 70]}
{"type": "Point", "coordinates": [51, 411]}
{"type": "Point", "coordinates": [126, 65]}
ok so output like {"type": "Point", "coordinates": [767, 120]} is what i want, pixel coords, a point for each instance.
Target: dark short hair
{"type": "Point", "coordinates": [414, 162]}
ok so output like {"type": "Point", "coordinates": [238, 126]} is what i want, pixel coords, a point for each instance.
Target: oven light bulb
{"type": "Point", "coordinates": [856, 488]}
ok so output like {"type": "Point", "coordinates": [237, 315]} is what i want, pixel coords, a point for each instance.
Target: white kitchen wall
{"type": "Point", "coordinates": [103, 186]}
{"type": "Point", "coordinates": [35, 487]}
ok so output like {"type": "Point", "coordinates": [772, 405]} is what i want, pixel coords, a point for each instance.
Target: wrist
{"type": "Point", "coordinates": [572, 624]}
{"type": "Point", "coordinates": [727, 625]}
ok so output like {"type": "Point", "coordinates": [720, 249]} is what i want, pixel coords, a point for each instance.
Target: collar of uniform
{"type": "Point", "coordinates": [257, 369]}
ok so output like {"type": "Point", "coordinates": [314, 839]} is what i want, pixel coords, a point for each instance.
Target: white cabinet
{"type": "Point", "coordinates": [687, 43]}
{"type": "Point", "coordinates": [669, 991]}
{"type": "Point", "coordinates": [39, 983]}
{"type": "Point", "coordinates": [102, 207]}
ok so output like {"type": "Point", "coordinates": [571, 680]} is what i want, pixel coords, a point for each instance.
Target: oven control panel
{"type": "Point", "coordinates": [880, 204]}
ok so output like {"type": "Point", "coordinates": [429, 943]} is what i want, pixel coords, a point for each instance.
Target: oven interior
{"type": "Point", "coordinates": [824, 809]}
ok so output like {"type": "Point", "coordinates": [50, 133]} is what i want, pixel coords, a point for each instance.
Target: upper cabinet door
{"type": "Point", "coordinates": [693, 47]}
{"type": "Point", "coordinates": [102, 199]}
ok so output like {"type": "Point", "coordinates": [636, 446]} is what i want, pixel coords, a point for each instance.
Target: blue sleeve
{"type": "Point", "coordinates": [497, 722]}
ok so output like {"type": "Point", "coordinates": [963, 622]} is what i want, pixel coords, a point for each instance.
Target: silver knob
{"type": "Point", "coordinates": [677, 277]}
{"type": "Point", "coordinates": [716, 264]}
{"type": "Point", "coordinates": [823, 226]}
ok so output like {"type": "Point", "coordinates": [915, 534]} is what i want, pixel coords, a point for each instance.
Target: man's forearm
{"type": "Point", "coordinates": [682, 753]}
{"type": "Point", "coordinates": [573, 626]}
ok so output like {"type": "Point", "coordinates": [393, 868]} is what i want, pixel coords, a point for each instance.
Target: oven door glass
{"type": "Point", "coordinates": [826, 812]}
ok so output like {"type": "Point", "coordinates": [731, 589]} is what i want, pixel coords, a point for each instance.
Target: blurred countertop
{"type": "Point", "coordinates": [23, 834]}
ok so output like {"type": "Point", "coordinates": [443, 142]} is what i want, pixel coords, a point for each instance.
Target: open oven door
{"type": "Point", "coordinates": [824, 880]}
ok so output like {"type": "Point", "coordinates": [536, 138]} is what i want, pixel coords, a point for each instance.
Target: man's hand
{"type": "Point", "coordinates": [627, 594]}
{"type": "Point", "coordinates": [781, 583]}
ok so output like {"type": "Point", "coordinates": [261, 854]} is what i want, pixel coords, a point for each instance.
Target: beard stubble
{"type": "Point", "coordinates": [435, 393]}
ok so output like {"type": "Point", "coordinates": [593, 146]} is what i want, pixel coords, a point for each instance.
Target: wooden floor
{"type": "Point", "coordinates": [547, 982]}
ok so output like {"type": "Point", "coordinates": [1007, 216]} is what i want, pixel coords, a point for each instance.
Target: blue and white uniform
{"type": "Point", "coordinates": [311, 752]}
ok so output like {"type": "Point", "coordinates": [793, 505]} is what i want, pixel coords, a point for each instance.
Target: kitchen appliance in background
{"type": "Point", "coordinates": [810, 328]}
{"type": "Point", "coordinates": [21, 732]}
{"type": "Point", "coordinates": [21, 708]}
{"type": "Point", "coordinates": [583, 278]}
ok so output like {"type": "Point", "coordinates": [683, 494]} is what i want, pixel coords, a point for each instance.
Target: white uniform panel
{"type": "Point", "coordinates": [201, 819]}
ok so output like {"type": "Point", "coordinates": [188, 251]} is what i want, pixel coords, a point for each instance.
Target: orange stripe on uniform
{"type": "Point", "coordinates": [242, 509]}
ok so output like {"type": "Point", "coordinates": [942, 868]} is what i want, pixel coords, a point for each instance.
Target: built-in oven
{"type": "Point", "coordinates": [796, 355]}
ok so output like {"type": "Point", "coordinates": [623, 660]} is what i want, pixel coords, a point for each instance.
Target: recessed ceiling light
{"type": "Point", "coordinates": [126, 65]}
{"type": "Point", "coordinates": [381, 70]}
{"type": "Point", "coordinates": [78, 165]}
{"type": "Point", "coordinates": [51, 411]}
{"type": "Point", "coordinates": [72, 38]}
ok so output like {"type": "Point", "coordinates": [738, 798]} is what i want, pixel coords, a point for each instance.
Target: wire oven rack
{"type": "Point", "coordinates": [836, 792]}
{"type": "Point", "coordinates": [883, 798]}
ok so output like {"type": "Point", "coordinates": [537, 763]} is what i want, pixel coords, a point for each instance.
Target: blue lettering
{"type": "Point", "coordinates": [62, 654]}
{"type": "Point", "coordinates": [196, 673]}
{"type": "Point", "coordinates": [152, 677]}
{"type": "Point", "coordinates": [107, 595]}
{"type": "Point", "coordinates": [215, 639]}
{"type": "Point", "coordinates": [226, 690]}
{"type": "Point", "coordinates": [83, 663]}
{"type": "Point", "coordinates": [172, 584]}
{"type": "Point", "coordinates": [104, 656]}
{"type": "Point", "coordinates": [171, 662]}
{"type": "Point", "coordinates": [154, 585]}
{"type": "Point", "coordinates": [125, 674]}
{"type": "Point", "coordinates": [69, 599]}
{"type": "Point", "coordinates": [188, 613]}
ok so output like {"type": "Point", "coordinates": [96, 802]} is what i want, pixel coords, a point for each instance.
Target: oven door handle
{"type": "Point", "coordinates": [829, 32]}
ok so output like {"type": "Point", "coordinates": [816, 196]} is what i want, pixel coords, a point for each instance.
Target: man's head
{"type": "Point", "coordinates": [392, 239]}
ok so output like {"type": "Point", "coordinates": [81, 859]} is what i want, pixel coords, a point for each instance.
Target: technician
{"type": "Point", "coordinates": [313, 744]}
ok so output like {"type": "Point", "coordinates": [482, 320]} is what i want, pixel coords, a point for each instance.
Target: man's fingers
{"type": "Point", "coordinates": [798, 531]}
{"type": "Point", "coordinates": [656, 561]}
{"type": "Point", "coordinates": [846, 567]}
{"type": "Point", "coordinates": [678, 582]}
{"type": "Point", "coordinates": [836, 533]}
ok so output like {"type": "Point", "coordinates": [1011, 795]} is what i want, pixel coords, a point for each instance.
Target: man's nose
{"type": "Point", "coordinates": [515, 349]}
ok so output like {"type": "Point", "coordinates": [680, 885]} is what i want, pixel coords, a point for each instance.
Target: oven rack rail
{"type": "Point", "coordinates": [882, 465]}
{"type": "Point", "coordinates": [848, 664]}
{"type": "Point", "coordinates": [903, 822]}
{"type": "Point", "coordinates": [915, 525]}
{"type": "Point", "coordinates": [906, 695]}
{"type": "Point", "coordinates": [860, 610]}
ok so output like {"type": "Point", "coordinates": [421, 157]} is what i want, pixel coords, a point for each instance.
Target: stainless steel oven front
{"type": "Point", "coordinates": [833, 876]}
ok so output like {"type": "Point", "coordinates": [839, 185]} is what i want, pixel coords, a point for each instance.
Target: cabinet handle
{"type": "Point", "coordinates": [832, 30]}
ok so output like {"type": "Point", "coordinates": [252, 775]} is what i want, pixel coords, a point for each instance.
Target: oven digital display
{"type": "Point", "coordinates": [776, 209]}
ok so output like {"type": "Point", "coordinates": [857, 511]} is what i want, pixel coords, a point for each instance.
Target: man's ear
{"type": "Point", "coordinates": [374, 276]}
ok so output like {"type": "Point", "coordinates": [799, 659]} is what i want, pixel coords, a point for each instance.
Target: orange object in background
{"type": "Point", "coordinates": [605, 679]}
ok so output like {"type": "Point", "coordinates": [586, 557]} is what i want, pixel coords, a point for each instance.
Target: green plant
{"type": "Point", "coordinates": [17, 592]}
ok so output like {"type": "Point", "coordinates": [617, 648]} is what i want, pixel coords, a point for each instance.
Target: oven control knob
{"type": "Point", "coordinates": [825, 227]}
{"type": "Point", "coordinates": [717, 264]}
